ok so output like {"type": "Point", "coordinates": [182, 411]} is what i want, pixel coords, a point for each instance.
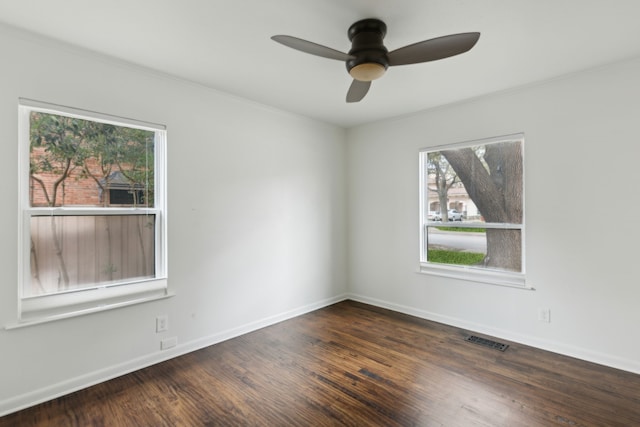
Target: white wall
{"type": "Point", "coordinates": [582, 141]}
{"type": "Point", "coordinates": [257, 219]}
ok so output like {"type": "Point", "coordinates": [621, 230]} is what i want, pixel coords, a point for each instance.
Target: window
{"type": "Point", "coordinates": [472, 210]}
{"type": "Point", "coordinates": [93, 223]}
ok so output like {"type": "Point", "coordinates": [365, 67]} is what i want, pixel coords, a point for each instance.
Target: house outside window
{"type": "Point", "coordinates": [93, 223]}
{"type": "Point", "coordinates": [472, 210]}
{"type": "Point", "coordinates": [121, 190]}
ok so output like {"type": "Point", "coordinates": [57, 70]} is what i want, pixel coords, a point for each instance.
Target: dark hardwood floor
{"type": "Point", "coordinates": [356, 365]}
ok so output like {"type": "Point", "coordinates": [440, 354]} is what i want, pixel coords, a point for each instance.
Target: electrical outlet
{"type": "Point", "coordinates": [162, 323]}
{"type": "Point", "coordinates": [168, 343]}
{"type": "Point", "coordinates": [544, 315]}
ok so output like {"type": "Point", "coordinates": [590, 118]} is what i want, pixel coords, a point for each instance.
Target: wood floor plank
{"type": "Point", "coordinates": [353, 364]}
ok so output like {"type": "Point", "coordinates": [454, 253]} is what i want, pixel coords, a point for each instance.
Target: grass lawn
{"type": "Point", "coordinates": [453, 257]}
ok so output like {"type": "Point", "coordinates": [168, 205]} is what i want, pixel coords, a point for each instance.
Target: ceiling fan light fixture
{"type": "Point", "coordinates": [368, 71]}
{"type": "Point", "coordinates": [368, 58]}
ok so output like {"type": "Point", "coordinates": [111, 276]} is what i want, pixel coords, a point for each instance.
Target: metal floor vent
{"type": "Point", "coordinates": [487, 343]}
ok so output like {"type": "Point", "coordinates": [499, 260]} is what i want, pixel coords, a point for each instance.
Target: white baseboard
{"type": "Point", "coordinates": [554, 347]}
{"type": "Point", "coordinates": [62, 388]}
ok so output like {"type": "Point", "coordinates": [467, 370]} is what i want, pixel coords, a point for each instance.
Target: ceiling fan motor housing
{"type": "Point", "coordinates": [369, 53]}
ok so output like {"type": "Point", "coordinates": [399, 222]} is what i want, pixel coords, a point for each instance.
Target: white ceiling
{"type": "Point", "coordinates": [225, 44]}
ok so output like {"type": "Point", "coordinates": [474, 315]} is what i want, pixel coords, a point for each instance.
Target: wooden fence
{"type": "Point", "coordinates": [75, 252]}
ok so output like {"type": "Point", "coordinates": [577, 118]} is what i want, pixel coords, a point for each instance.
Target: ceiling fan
{"type": "Point", "coordinates": [368, 58]}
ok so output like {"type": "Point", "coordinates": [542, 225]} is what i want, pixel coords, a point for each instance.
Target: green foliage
{"type": "Point", "coordinates": [91, 149]}
{"type": "Point", "coordinates": [463, 229]}
{"type": "Point", "coordinates": [454, 257]}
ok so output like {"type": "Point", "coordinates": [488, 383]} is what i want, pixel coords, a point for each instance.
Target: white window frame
{"type": "Point", "coordinates": [464, 272]}
{"type": "Point", "coordinates": [45, 308]}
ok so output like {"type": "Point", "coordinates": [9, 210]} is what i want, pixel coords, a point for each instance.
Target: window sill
{"type": "Point", "coordinates": [470, 274]}
{"type": "Point", "coordinates": [46, 309]}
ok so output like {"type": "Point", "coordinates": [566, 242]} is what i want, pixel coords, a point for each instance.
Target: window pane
{"type": "Point", "coordinates": [474, 183]}
{"type": "Point", "coordinates": [75, 162]}
{"type": "Point", "coordinates": [75, 252]}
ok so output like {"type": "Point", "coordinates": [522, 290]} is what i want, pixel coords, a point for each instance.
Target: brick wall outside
{"type": "Point", "coordinates": [76, 190]}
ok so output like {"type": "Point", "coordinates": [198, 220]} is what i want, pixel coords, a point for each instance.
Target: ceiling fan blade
{"type": "Point", "coordinates": [312, 48]}
{"type": "Point", "coordinates": [433, 49]}
{"type": "Point", "coordinates": [357, 90]}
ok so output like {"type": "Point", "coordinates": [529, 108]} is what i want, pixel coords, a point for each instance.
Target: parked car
{"type": "Point", "coordinates": [454, 215]}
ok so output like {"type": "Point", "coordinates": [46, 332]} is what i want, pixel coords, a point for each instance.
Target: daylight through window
{"type": "Point", "coordinates": [472, 204]}
{"type": "Point", "coordinates": [92, 196]}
